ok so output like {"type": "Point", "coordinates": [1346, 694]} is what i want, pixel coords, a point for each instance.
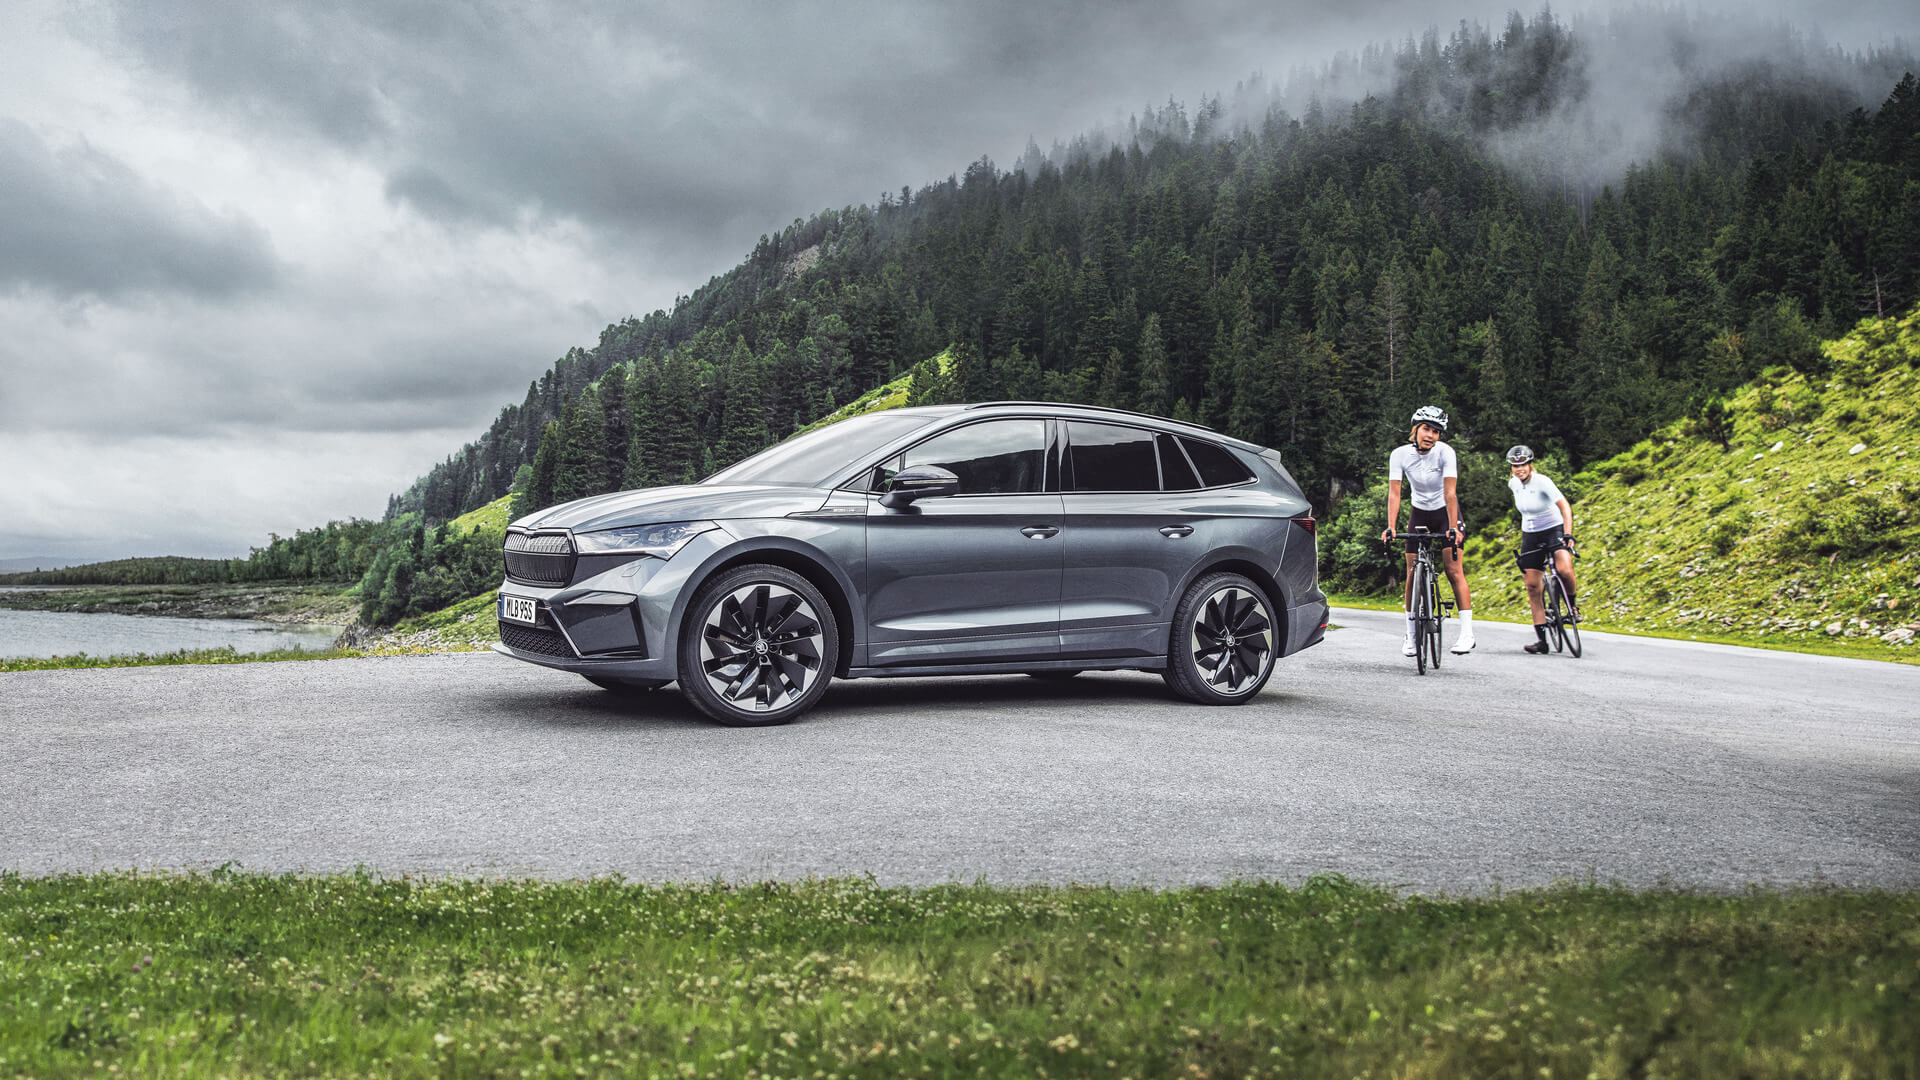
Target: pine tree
{"type": "Point", "coordinates": [743, 421]}
{"type": "Point", "coordinates": [1155, 391]}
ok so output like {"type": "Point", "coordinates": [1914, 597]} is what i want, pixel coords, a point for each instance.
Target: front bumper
{"type": "Point", "coordinates": [616, 623]}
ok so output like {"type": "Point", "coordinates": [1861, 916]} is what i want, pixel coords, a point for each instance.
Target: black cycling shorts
{"type": "Point", "coordinates": [1535, 546]}
{"type": "Point", "coordinates": [1430, 520]}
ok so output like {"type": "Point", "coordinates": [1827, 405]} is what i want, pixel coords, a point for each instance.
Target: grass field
{"type": "Point", "coordinates": [242, 975]}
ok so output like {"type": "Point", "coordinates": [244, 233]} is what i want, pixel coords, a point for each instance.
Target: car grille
{"type": "Point", "coordinates": [539, 559]}
{"type": "Point", "coordinates": [535, 640]}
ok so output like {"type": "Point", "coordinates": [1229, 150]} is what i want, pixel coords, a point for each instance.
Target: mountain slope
{"type": "Point", "coordinates": [1791, 516]}
{"type": "Point", "coordinates": [1300, 280]}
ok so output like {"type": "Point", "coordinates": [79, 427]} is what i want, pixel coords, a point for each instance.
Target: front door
{"type": "Point", "coordinates": [972, 577]}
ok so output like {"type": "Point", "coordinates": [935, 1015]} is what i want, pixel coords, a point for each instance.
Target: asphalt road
{"type": "Point", "coordinates": [1647, 762]}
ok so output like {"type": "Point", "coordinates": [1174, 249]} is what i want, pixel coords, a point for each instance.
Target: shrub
{"type": "Point", "coordinates": [1352, 558]}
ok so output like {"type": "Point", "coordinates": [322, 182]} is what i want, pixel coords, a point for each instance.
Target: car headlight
{"type": "Point", "coordinates": [657, 541]}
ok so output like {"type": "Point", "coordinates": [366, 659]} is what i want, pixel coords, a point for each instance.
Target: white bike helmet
{"type": "Point", "coordinates": [1431, 414]}
{"type": "Point", "coordinates": [1520, 455]}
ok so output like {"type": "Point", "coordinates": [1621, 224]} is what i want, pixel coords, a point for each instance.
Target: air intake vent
{"type": "Point", "coordinates": [544, 559]}
{"type": "Point", "coordinates": [535, 640]}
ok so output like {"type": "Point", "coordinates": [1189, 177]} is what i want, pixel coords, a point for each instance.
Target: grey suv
{"type": "Point", "coordinates": [948, 540]}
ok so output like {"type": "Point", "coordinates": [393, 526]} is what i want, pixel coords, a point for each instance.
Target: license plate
{"type": "Point", "coordinates": [517, 608]}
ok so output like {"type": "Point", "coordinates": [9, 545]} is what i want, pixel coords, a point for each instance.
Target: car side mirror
{"type": "Point", "coordinates": [919, 482]}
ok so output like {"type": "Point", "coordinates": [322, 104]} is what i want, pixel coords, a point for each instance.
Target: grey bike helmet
{"type": "Point", "coordinates": [1431, 414]}
{"type": "Point", "coordinates": [1520, 455]}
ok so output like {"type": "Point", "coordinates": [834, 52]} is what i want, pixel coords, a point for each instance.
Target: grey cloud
{"type": "Point", "coordinates": [81, 222]}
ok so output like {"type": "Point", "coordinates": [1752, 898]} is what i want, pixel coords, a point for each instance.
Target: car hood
{"type": "Point", "coordinates": [689, 502]}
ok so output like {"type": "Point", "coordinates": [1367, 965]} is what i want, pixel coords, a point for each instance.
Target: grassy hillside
{"type": "Point", "coordinates": [1789, 517]}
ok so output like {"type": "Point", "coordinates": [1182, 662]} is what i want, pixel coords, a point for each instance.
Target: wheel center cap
{"type": "Point", "coordinates": [1232, 641]}
{"type": "Point", "coordinates": [760, 646]}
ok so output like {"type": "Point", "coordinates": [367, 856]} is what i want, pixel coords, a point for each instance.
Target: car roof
{"type": "Point", "coordinates": [1101, 412]}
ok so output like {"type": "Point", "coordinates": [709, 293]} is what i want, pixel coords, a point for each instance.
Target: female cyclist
{"type": "Point", "coordinates": [1433, 473]}
{"type": "Point", "coordinates": [1546, 525]}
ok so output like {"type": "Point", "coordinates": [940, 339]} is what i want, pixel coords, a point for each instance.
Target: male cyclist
{"type": "Point", "coordinates": [1546, 525]}
{"type": "Point", "coordinates": [1433, 473]}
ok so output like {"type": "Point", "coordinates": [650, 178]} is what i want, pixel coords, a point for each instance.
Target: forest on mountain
{"type": "Point", "coordinates": [1477, 220]}
{"type": "Point", "coordinates": [1300, 281]}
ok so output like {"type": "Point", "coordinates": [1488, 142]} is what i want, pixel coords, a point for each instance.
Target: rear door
{"type": "Point", "coordinates": [1130, 543]}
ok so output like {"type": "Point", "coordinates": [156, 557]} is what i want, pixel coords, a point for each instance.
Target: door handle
{"type": "Point", "coordinates": [1039, 532]}
{"type": "Point", "coordinates": [1174, 532]}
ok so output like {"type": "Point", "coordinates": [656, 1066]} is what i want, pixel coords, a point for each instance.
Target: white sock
{"type": "Point", "coordinates": [1466, 622]}
{"type": "Point", "coordinates": [1412, 624]}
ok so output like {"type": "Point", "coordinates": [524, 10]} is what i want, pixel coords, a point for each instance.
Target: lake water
{"type": "Point", "coordinates": [64, 633]}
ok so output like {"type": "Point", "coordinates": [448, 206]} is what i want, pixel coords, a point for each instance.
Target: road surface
{"type": "Point", "coordinates": [1647, 762]}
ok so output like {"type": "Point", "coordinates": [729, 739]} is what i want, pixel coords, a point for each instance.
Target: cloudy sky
{"type": "Point", "coordinates": [263, 262]}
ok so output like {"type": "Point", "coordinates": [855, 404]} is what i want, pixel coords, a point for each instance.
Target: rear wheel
{"type": "Point", "coordinates": [626, 686]}
{"type": "Point", "coordinates": [1224, 641]}
{"type": "Point", "coordinates": [758, 647]}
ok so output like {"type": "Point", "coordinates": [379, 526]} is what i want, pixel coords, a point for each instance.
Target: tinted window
{"type": "Point", "coordinates": [1174, 470]}
{"type": "Point", "coordinates": [1110, 458]}
{"type": "Point", "coordinates": [1217, 464]}
{"type": "Point", "coordinates": [997, 457]}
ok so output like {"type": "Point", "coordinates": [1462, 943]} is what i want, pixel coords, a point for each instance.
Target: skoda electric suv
{"type": "Point", "coordinates": [1013, 537]}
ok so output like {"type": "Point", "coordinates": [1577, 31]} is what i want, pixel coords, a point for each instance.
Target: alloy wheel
{"type": "Point", "coordinates": [761, 647]}
{"type": "Point", "coordinates": [1232, 639]}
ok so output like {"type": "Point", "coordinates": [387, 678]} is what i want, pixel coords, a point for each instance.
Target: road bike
{"type": "Point", "coordinates": [1563, 619]}
{"type": "Point", "coordinates": [1428, 610]}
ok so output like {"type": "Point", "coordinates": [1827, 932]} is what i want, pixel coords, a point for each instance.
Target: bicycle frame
{"type": "Point", "coordinates": [1428, 610]}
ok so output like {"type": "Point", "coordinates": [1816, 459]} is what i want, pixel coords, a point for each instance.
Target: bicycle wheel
{"type": "Point", "coordinates": [1556, 626]}
{"type": "Point", "coordinates": [1569, 628]}
{"type": "Point", "coordinates": [1437, 621]}
{"type": "Point", "coordinates": [1420, 615]}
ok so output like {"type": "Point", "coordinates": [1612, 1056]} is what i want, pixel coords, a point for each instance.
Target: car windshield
{"type": "Point", "coordinates": [817, 457]}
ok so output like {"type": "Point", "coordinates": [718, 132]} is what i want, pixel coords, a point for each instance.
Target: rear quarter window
{"type": "Point", "coordinates": [1217, 465]}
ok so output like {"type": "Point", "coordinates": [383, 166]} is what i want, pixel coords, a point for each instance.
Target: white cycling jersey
{"type": "Point", "coordinates": [1425, 474]}
{"type": "Point", "coordinates": [1536, 500]}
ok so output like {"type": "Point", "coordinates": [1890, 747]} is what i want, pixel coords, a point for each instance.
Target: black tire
{"type": "Point", "coordinates": [1436, 621]}
{"type": "Point", "coordinates": [1052, 676]}
{"type": "Point", "coordinates": [1556, 629]}
{"type": "Point", "coordinates": [1569, 629]}
{"type": "Point", "coordinates": [1420, 617]}
{"type": "Point", "coordinates": [1224, 643]}
{"type": "Point", "coordinates": [626, 686]}
{"type": "Point", "coordinates": [758, 646]}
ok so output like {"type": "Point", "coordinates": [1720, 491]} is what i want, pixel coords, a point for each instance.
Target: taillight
{"type": "Point", "coordinates": [1306, 522]}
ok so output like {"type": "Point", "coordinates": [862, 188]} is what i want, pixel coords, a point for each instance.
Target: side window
{"type": "Point", "coordinates": [1174, 469]}
{"type": "Point", "coordinates": [1005, 457]}
{"type": "Point", "coordinates": [1217, 464]}
{"type": "Point", "coordinates": [1106, 457]}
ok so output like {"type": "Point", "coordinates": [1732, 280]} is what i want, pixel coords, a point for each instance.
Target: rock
{"type": "Point", "coordinates": [1857, 447]}
{"type": "Point", "coordinates": [1775, 448]}
{"type": "Point", "coordinates": [1834, 629]}
{"type": "Point", "coordinates": [1898, 636]}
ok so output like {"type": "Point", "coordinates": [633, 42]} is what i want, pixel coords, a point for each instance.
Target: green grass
{"type": "Point", "coordinates": [1785, 537]}
{"type": "Point", "coordinates": [890, 395]}
{"type": "Point", "coordinates": [222, 655]}
{"type": "Point", "coordinates": [243, 975]}
{"type": "Point", "coordinates": [492, 516]}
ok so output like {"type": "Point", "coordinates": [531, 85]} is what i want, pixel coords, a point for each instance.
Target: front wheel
{"type": "Point", "coordinates": [1556, 621]}
{"type": "Point", "coordinates": [758, 646]}
{"type": "Point", "coordinates": [1567, 628]}
{"type": "Point", "coordinates": [1223, 643]}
